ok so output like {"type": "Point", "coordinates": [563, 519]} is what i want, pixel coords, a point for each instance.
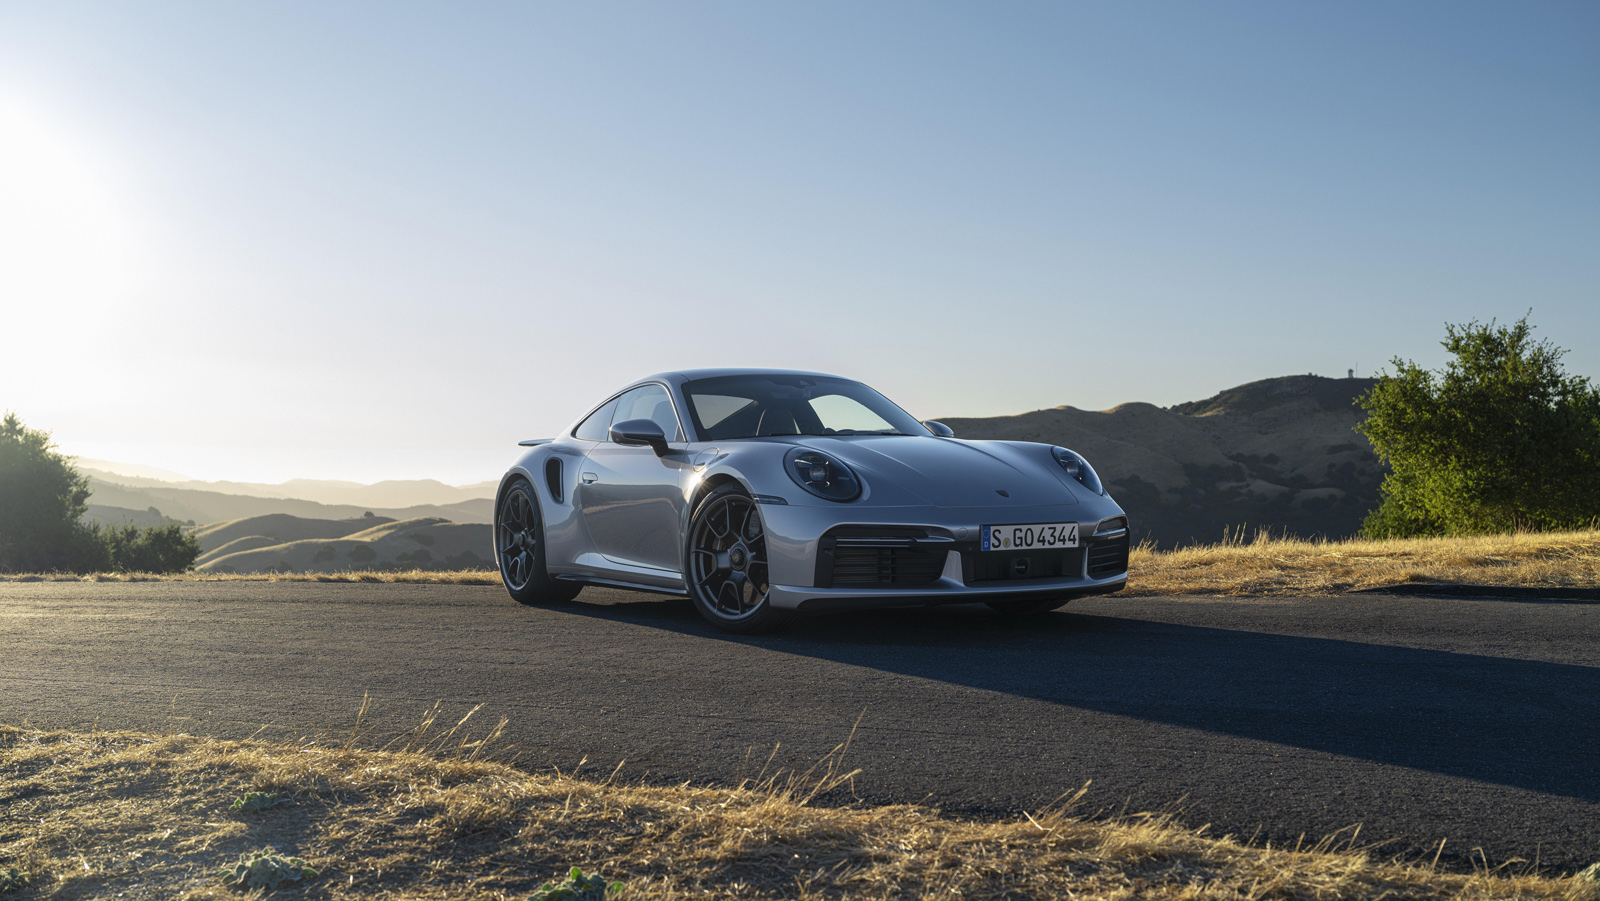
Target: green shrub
{"type": "Point", "coordinates": [153, 549]}
{"type": "Point", "coordinates": [1500, 439]}
{"type": "Point", "coordinates": [255, 802]}
{"type": "Point", "coordinates": [577, 887]}
{"type": "Point", "coordinates": [266, 869]}
{"type": "Point", "coordinates": [42, 500]}
{"type": "Point", "coordinates": [12, 880]}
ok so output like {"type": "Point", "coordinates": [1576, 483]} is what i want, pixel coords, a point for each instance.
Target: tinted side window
{"type": "Point", "coordinates": [649, 402]}
{"type": "Point", "coordinates": [598, 425]}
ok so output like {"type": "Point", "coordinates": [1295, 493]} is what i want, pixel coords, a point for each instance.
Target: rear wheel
{"type": "Point", "coordinates": [728, 563]}
{"type": "Point", "coordinates": [519, 549]}
{"type": "Point", "coordinates": [1023, 608]}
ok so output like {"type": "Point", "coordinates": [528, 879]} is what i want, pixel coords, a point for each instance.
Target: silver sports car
{"type": "Point", "coordinates": [762, 493]}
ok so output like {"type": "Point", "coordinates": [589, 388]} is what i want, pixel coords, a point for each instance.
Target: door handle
{"type": "Point", "coordinates": [590, 478]}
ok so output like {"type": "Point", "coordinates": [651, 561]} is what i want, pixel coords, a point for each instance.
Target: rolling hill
{"type": "Point", "coordinates": [200, 507]}
{"type": "Point", "coordinates": [333, 546]}
{"type": "Point", "coordinates": [1279, 454]}
{"type": "Point", "coordinates": [391, 494]}
{"type": "Point", "coordinates": [280, 528]}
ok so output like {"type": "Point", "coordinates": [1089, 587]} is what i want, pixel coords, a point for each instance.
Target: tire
{"type": "Point", "coordinates": [1027, 608]}
{"type": "Point", "coordinates": [727, 564]}
{"type": "Point", "coordinates": [519, 549]}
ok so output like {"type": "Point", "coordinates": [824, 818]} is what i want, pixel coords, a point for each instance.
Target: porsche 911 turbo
{"type": "Point", "coordinates": [761, 494]}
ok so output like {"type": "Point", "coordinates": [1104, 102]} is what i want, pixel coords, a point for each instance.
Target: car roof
{"type": "Point", "coordinates": [678, 377]}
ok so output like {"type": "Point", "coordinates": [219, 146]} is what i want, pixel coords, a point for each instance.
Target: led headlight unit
{"type": "Point", "coordinates": [1079, 468]}
{"type": "Point", "coordinates": [821, 475]}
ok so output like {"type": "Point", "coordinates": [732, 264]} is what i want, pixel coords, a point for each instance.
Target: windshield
{"type": "Point", "coordinates": [758, 406]}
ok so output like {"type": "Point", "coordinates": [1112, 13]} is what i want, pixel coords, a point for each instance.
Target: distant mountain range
{"type": "Point", "coordinates": [119, 498]}
{"type": "Point", "coordinates": [281, 543]}
{"type": "Point", "coordinates": [394, 493]}
{"type": "Point", "coordinates": [1278, 454]}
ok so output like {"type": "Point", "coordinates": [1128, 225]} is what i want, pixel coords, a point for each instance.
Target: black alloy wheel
{"type": "Point", "coordinates": [519, 548]}
{"type": "Point", "coordinates": [728, 563]}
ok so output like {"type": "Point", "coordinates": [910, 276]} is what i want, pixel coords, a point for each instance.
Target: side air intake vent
{"type": "Point", "coordinates": [1108, 558]}
{"type": "Point", "coordinates": [552, 477]}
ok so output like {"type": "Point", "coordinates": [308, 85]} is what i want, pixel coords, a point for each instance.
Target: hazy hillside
{"type": "Point", "coordinates": [1279, 453]}
{"type": "Point", "coordinates": [186, 504]}
{"type": "Point", "coordinates": [122, 516]}
{"type": "Point", "coordinates": [280, 528]}
{"type": "Point", "coordinates": [411, 544]}
{"type": "Point", "coordinates": [394, 494]}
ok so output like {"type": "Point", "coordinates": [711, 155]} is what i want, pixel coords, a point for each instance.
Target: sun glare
{"type": "Point", "coordinates": [63, 247]}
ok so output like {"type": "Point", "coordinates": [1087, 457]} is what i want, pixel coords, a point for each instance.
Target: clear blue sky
{"type": "Point", "coordinates": [264, 241]}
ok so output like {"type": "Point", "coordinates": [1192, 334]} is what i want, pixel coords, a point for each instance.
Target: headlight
{"type": "Point", "coordinates": [821, 475]}
{"type": "Point", "coordinates": [1079, 468]}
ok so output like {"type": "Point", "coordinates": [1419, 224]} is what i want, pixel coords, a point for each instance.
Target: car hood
{"type": "Point", "coordinates": [946, 472]}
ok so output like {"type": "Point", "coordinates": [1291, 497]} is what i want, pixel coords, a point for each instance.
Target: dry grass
{"type": "Point", "coordinates": [107, 813]}
{"type": "Point", "coordinates": [1277, 566]}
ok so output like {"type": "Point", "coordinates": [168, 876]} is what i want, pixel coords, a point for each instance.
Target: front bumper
{"type": "Point", "coordinates": [944, 591]}
{"type": "Point", "coordinates": [798, 549]}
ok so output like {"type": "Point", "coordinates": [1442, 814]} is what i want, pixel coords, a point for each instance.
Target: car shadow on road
{"type": "Point", "coordinates": [1521, 723]}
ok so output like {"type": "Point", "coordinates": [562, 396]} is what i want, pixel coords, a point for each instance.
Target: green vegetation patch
{"type": "Point", "coordinates": [265, 869]}
{"type": "Point", "coordinates": [43, 498]}
{"type": "Point", "coordinates": [578, 887]}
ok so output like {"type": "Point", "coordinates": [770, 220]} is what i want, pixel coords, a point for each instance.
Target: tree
{"type": "Point", "coordinates": [153, 549]}
{"type": "Point", "coordinates": [1500, 439]}
{"type": "Point", "coordinates": [41, 499]}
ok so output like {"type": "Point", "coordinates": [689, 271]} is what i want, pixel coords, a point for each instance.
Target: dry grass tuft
{"type": "Point", "coordinates": [106, 813]}
{"type": "Point", "coordinates": [1287, 566]}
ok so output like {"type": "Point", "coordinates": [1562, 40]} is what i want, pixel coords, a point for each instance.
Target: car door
{"type": "Point", "coordinates": [632, 500]}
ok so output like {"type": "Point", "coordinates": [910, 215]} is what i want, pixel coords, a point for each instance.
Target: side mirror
{"type": "Point", "coordinates": [640, 433]}
{"type": "Point", "coordinates": [939, 429]}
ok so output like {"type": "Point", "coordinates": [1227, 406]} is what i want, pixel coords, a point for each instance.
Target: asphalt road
{"type": "Point", "coordinates": [1471, 720]}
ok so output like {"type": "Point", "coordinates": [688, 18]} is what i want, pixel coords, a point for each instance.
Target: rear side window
{"type": "Point", "coordinates": [598, 426]}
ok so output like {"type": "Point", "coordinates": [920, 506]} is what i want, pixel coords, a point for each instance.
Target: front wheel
{"type": "Point", "coordinates": [727, 557]}
{"type": "Point", "coordinates": [519, 548]}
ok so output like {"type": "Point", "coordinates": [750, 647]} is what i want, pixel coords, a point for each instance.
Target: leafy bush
{"type": "Point", "coordinates": [153, 549]}
{"type": "Point", "coordinates": [42, 500]}
{"type": "Point", "coordinates": [577, 887]}
{"type": "Point", "coordinates": [1501, 439]}
{"type": "Point", "coordinates": [266, 869]}
{"type": "Point", "coordinates": [255, 802]}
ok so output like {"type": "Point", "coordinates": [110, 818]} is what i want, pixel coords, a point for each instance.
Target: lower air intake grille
{"type": "Point", "coordinates": [857, 565]}
{"type": "Point", "coordinates": [1108, 558]}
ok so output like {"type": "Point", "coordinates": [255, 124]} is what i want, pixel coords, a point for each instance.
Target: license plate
{"type": "Point", "coordinates": [1030, 537]}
